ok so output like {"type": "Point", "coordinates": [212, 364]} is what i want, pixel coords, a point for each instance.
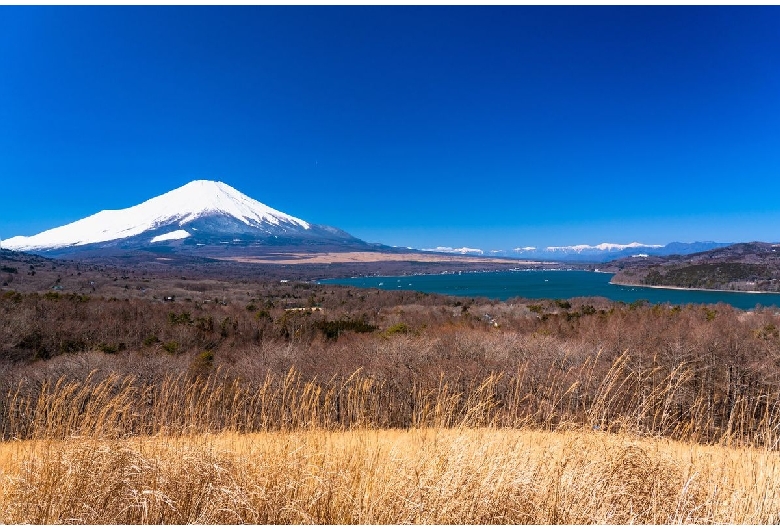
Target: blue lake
{"type": "Point", "coordinates": [551, 284]}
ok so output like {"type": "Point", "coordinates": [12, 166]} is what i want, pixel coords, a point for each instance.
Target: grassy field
{"type": "Point", "coordinates": [424, 476]}
{"type": "Point", "coordinates": [214, 450]}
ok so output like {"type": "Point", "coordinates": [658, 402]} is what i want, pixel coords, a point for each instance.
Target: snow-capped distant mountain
{"type": "Point", "coordinates": [602, 247]}
{"type": "Point", "coordinates": [589, 253]}
{"type": "Point", "coordinates": [610, 251]}
{"type": "Point", "coordinates": [200, 213]}
{"type": "Point", "coordinates": [450, 250]}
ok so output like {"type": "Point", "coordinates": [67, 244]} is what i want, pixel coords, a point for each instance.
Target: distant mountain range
{"type": "Point", "coordinates": [202, 213]}
{"type": "Point", "coordinates": [601, 253]}
{"type": "Point", "coordinates": [211, 219]}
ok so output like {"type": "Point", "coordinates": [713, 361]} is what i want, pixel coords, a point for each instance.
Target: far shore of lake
{"type": "Point", "coordinates": [691, 288]}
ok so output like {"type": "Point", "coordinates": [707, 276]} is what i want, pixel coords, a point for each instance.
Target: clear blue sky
{"type": "Point", "coordinates": [422, 126]}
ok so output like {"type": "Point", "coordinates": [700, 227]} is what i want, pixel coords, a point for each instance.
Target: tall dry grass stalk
{"type": "Point", "coordinates": [219, 449]}
{"type": "Point", "coordinates": [627, 398]}
{"type": "Point", "coordinates": [426, 476]}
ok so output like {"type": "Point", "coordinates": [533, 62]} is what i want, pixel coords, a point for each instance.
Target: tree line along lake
{"type": "Point", "coordinates": [553, 284]}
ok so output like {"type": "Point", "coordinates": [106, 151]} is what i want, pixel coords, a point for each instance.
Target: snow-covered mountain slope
{"type": "Point", "coordinates": [200, 212]}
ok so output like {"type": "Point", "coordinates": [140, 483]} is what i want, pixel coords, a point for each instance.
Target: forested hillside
{"type": "Point", "coordinates": [742, 267]}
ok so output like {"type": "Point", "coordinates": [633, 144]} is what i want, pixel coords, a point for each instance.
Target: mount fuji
{"type": "Point", "coordinates": [200, 214]}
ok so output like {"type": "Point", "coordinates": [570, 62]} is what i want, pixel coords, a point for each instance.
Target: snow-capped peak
{"type": "Point", "coordinates": [206, 196]}
{"type": "Point", "coordinates": [178, 207]}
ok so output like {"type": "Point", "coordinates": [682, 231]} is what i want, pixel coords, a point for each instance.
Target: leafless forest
{"type": "Point", "coordinates": [698, 373]}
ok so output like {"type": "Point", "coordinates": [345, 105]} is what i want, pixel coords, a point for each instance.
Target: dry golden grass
{"type": "Point", "coordinates": [627, 399]}
{"type": "Point", "coordinates": [443, 476]}
{"type": "Point", "coordinates": [216, 449]}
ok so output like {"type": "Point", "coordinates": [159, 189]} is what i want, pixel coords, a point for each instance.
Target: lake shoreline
{"type": "Point", "coordinates": [690, 288]}
{"type": "Point", "coordinates": [558, 284]}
